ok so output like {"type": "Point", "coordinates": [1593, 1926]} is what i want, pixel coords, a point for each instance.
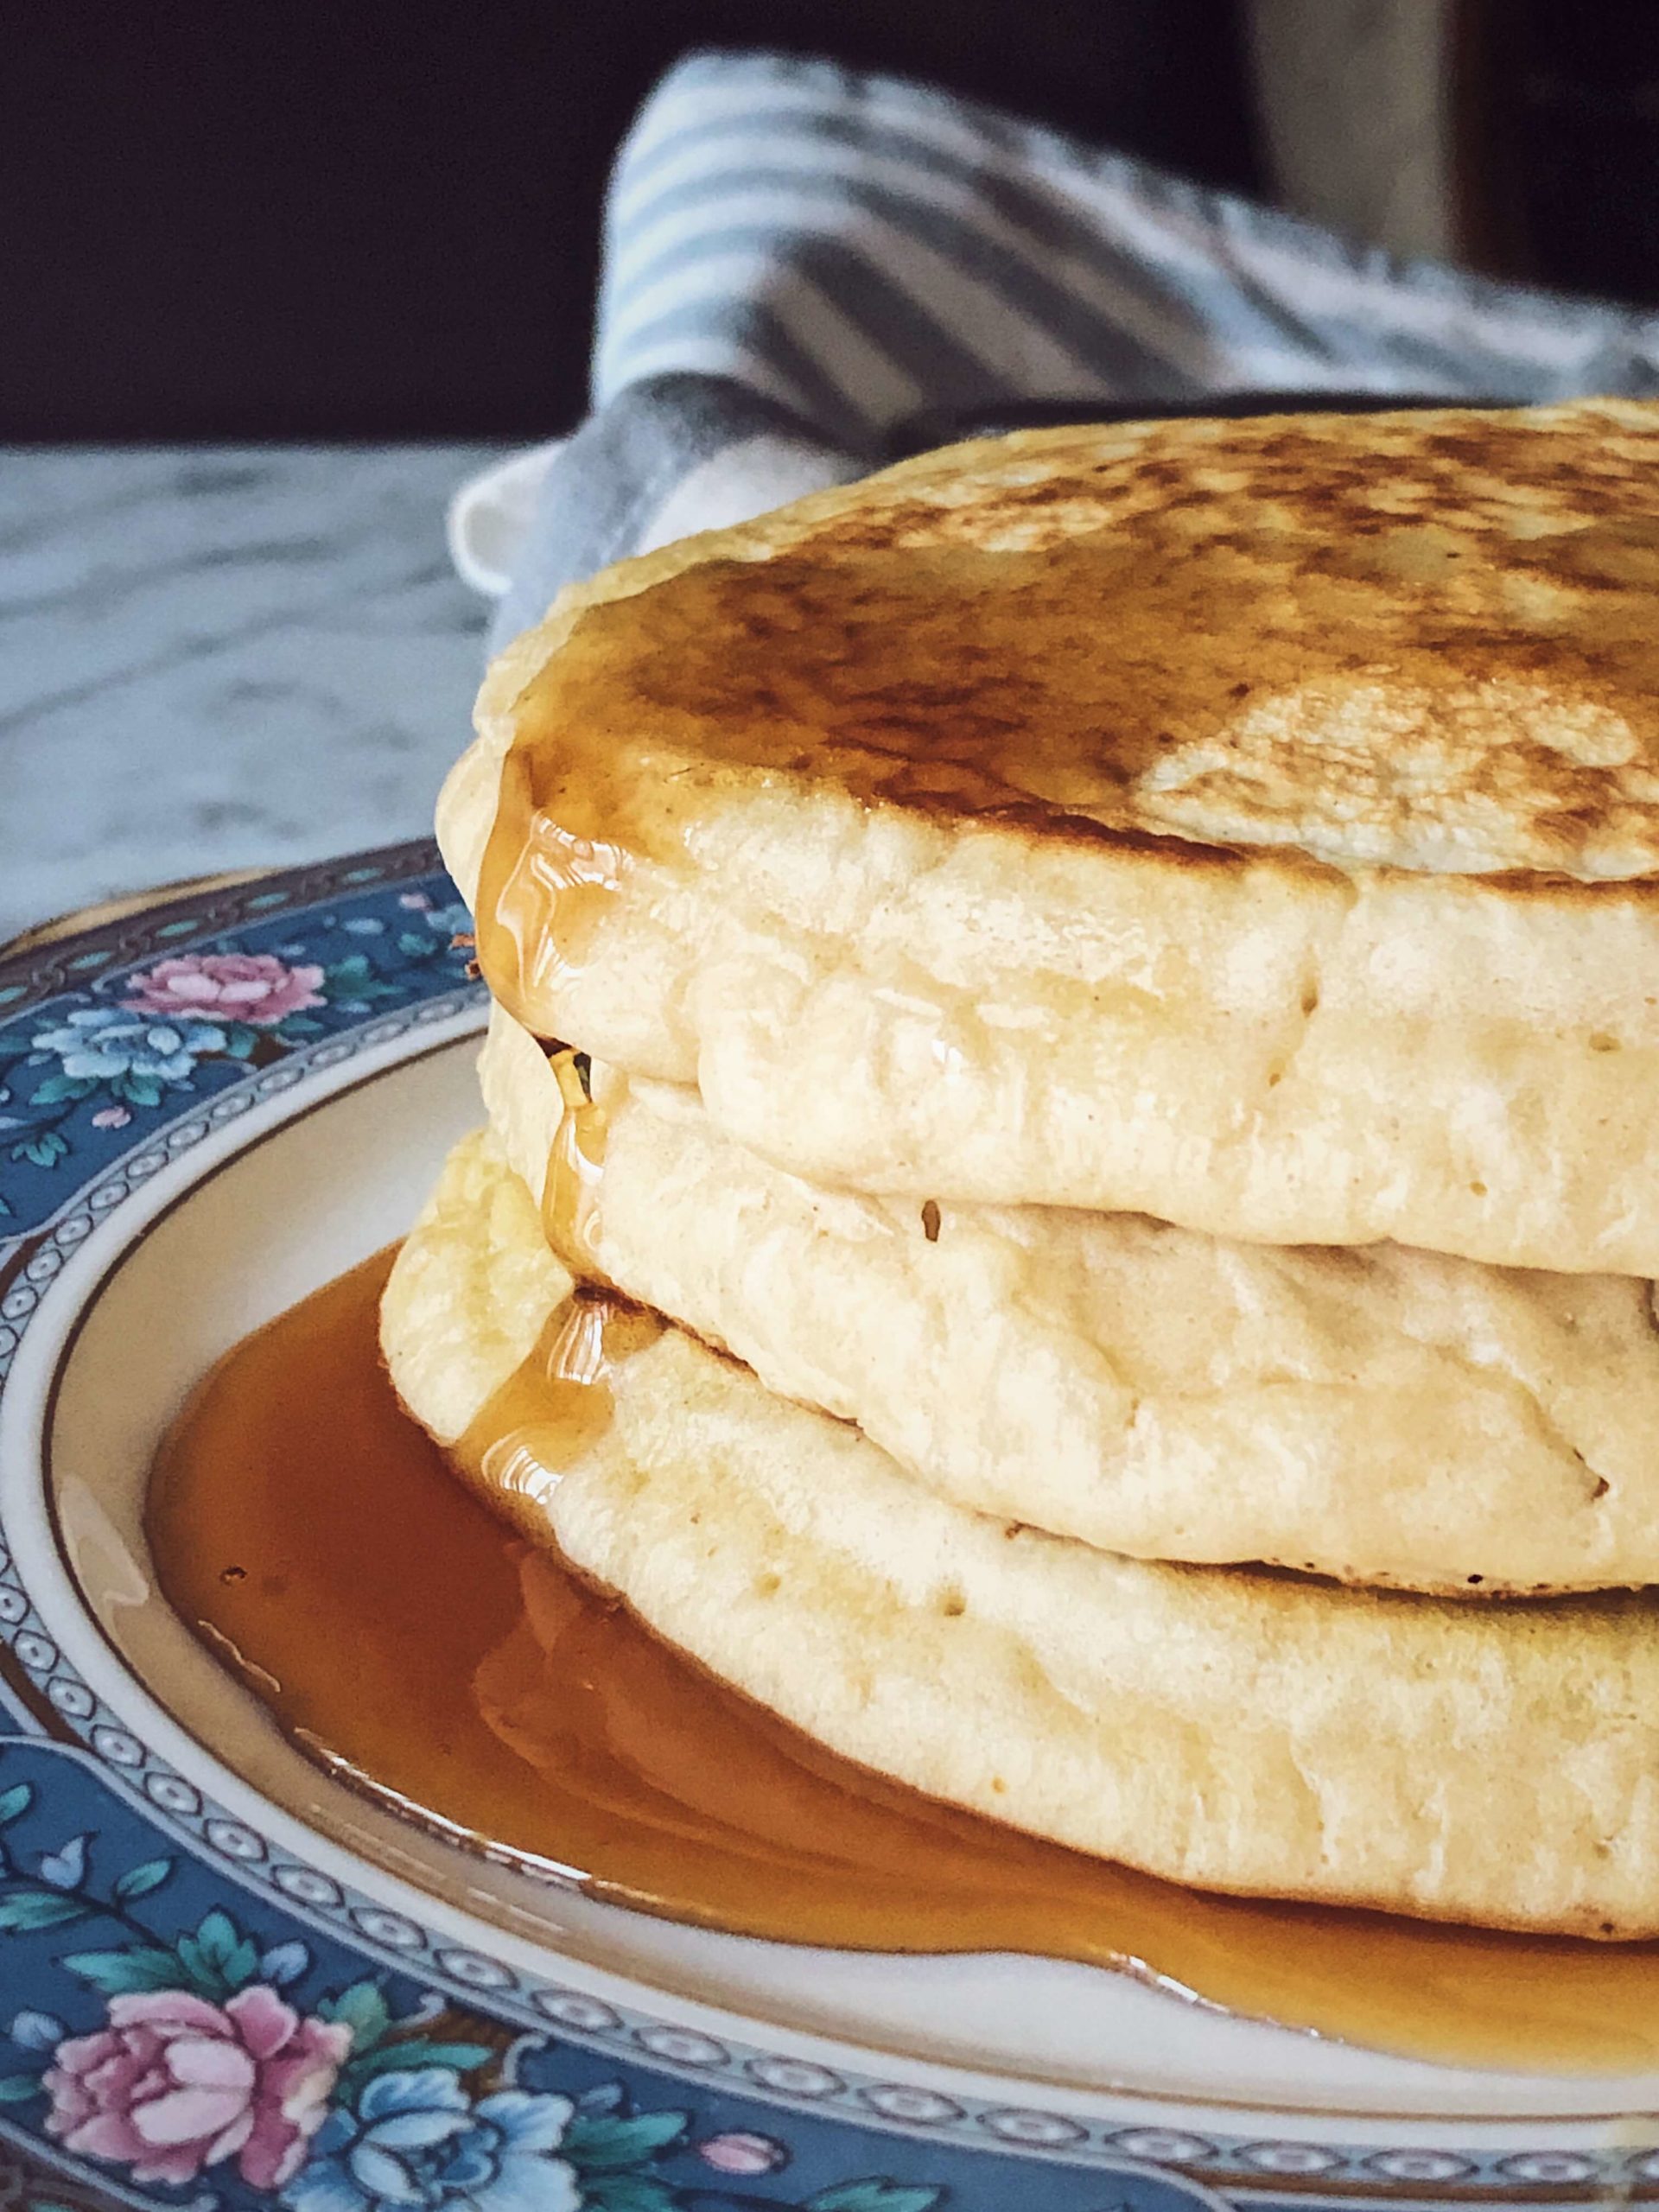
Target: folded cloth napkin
{"type": "Point", "coordinates": [797, 257]}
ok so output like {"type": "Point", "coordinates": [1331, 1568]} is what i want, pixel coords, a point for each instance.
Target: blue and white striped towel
{"type": "Point", "coordinates": [797, 256]}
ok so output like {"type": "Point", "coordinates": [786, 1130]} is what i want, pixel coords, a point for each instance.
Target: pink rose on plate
{"type": "Point", "coordinates": [175, 2084]}
{"type": "Point", "coordinates": [740, 2152]}
{"type": "Point", "coordinates": [253, 987]}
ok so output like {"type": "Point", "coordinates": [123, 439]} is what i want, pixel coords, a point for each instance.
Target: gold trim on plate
{"type": "Point", "coordinates": [81, 919]}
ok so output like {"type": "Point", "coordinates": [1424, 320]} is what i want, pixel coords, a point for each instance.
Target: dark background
{"type": "Point", "coordinates": [247, 220]}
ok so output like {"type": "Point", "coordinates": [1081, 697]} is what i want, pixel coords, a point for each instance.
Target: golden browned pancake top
{"type": "Point", "coordinates": [1421, 639]}
{"type": "Point", "coordinates": [1256, 825]}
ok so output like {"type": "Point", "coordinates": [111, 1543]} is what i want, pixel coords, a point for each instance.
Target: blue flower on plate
{"type": "Point", "coordinates": [98, 1043]}
{"type": "Point", "coordinates": [416, 2138]}
{"type": "Point", "coordinates": [450, 921]}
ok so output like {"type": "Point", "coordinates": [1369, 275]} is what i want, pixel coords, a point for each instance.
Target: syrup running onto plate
{"type": "Point", "coordinates": [413, 1642]}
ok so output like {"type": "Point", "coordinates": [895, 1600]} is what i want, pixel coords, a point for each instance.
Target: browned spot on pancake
{"type": "Point", "coordinates": [1017, 636]}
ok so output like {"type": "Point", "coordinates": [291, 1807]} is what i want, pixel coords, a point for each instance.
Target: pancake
{"type": "Point", "coordinates": [1385, 1416]}
{"type": "Point", "coordinates": [1242, 1732]}
{"type": "Point", "coordinates": [1253, 824]}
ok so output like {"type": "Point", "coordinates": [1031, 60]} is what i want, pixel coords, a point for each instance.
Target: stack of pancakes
{"type": "Point", "coordinates": [1102, 987]}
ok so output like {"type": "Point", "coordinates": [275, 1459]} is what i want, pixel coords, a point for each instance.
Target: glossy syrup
{"type": "Point", "coordinates": [576, 1165]}
{"type": "Point", "coordinates": [404, 1634]}
{"type": "Point", "coordinates": [546, 881]}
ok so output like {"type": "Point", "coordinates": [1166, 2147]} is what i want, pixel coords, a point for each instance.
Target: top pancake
{"type": "Point", "coordinates": [1251, 823]}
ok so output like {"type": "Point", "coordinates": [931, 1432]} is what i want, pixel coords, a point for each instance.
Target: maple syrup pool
{"type": "Point", "coordinates": [406, 1639]}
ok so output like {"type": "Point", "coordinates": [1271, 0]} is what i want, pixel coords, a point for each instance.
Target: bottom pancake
{"type": "Point", "coordinates": [1250, 1733]}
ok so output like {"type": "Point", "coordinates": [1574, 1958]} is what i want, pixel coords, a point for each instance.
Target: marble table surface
{"type": "Point", "coordinates": [218, 657]}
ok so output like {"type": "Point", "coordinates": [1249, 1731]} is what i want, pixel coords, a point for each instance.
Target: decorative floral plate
{"type": "Point", "coordinates": [226, 1981]}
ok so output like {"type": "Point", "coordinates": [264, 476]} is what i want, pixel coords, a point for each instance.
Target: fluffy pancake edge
{"type": "Point", "coordinates": [1243, 1732]}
